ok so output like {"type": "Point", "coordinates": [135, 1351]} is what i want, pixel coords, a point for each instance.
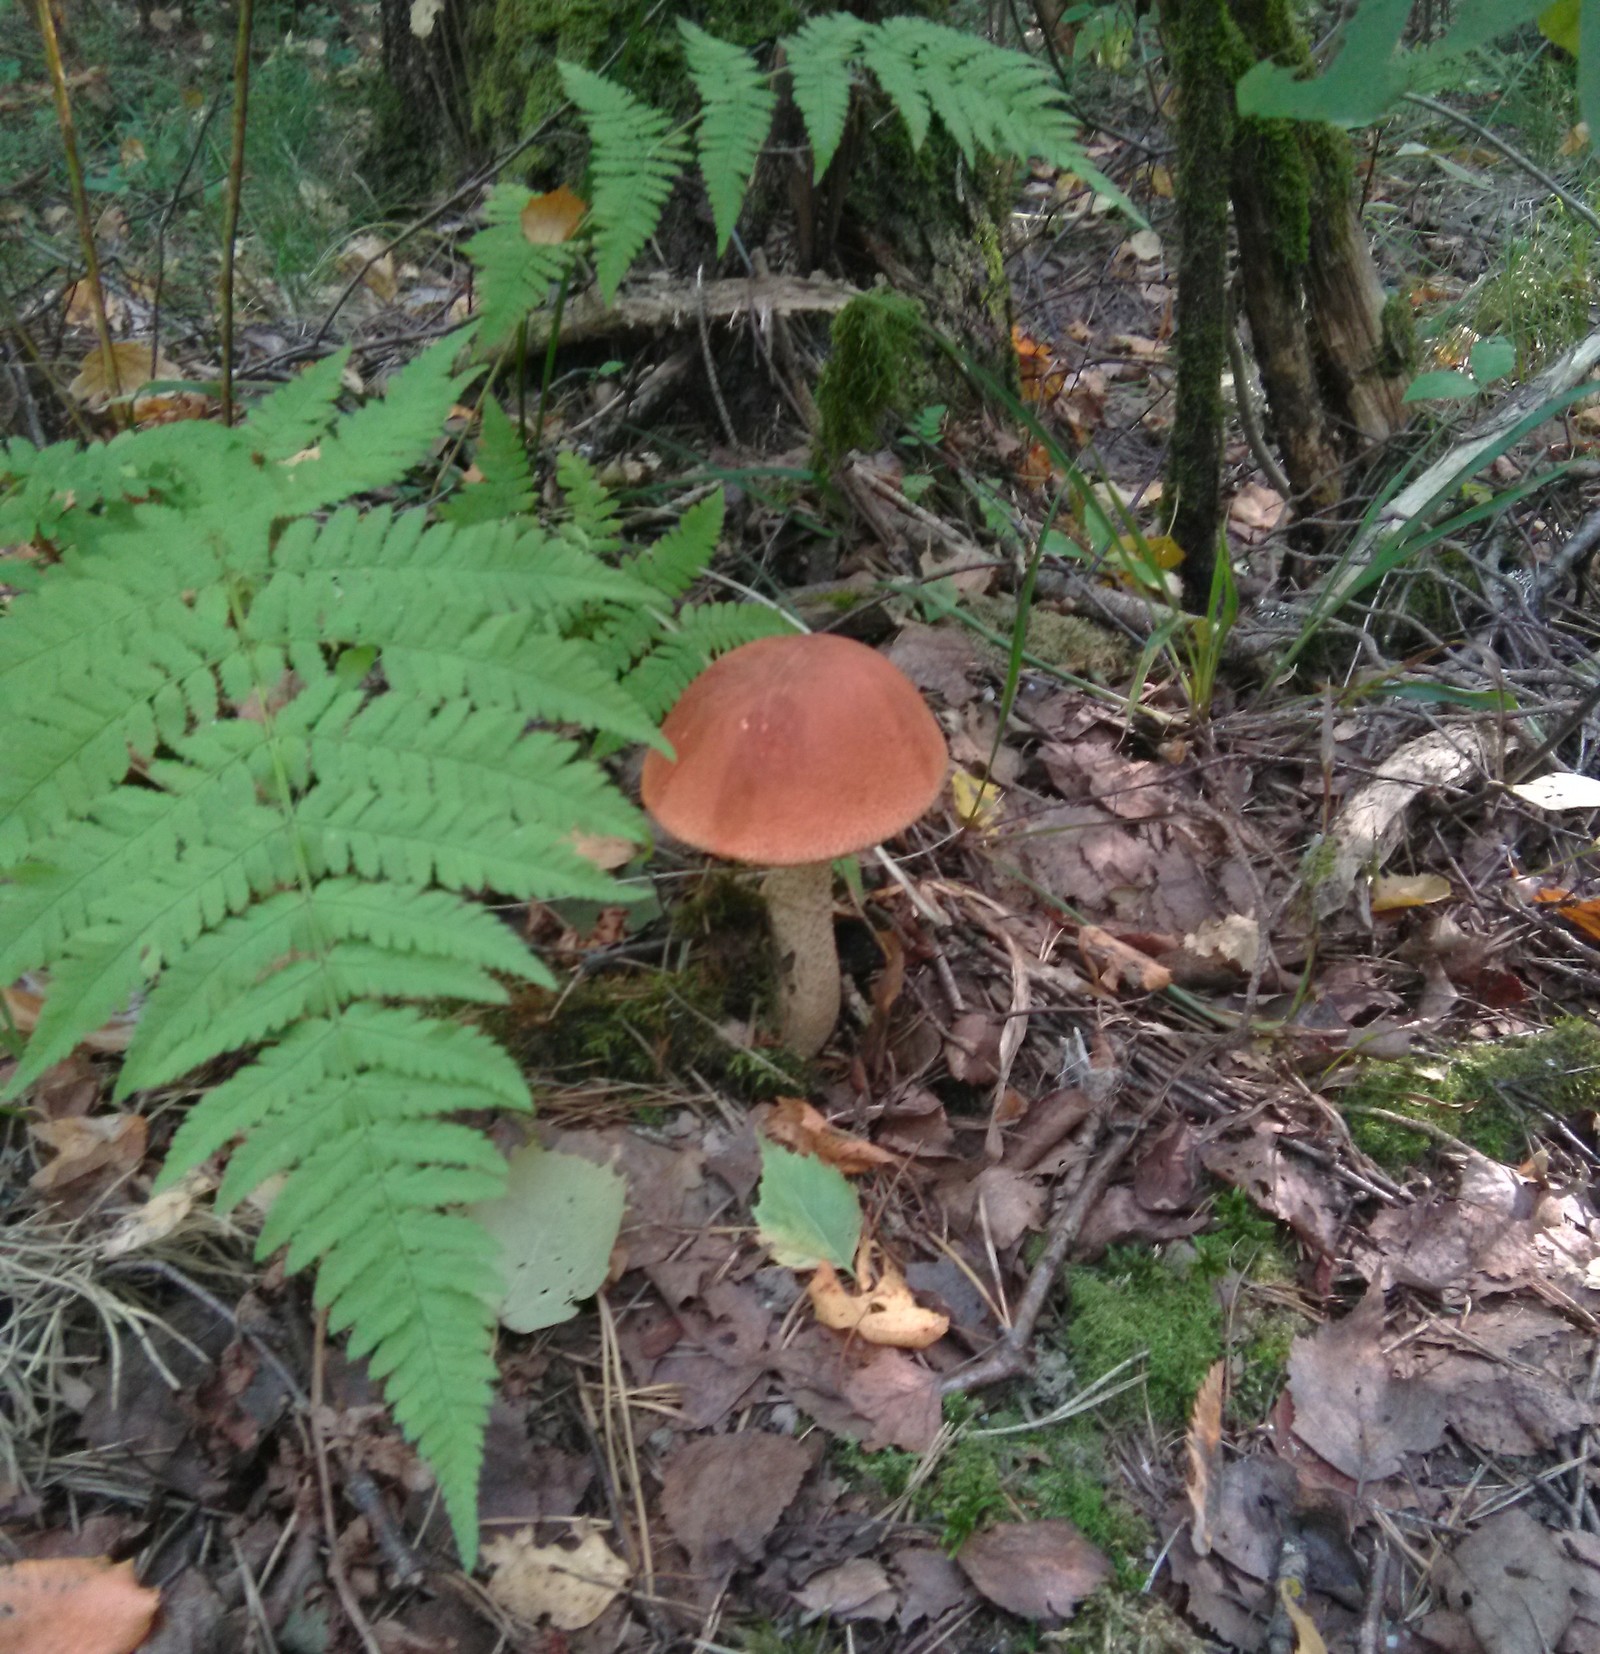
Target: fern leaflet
{"type": "Point", "coordinates": [507, 488]}
{"type": "Point", "coordinates": [734, 123]}
{"type": "Point", "coordinates": [515, 275]}
{"type": "Point", "coordinates": [636, 160]}
{"type": "Point", "coordinates": [820, 56]}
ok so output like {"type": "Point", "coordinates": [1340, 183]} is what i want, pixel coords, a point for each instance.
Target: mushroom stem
{"type": "Point", "coordinates": [800, 912]}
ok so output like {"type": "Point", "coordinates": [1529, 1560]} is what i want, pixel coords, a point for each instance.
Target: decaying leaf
{"type": "Point", "coordinates": [81, 1604]}
{"type": "Point", "coordinates": [856, 1590]}
{"type": "Point", "coordinates": [883, 1313]}
{"type": "Point", "coordinates": [722, 1495]}
{"type": "Point", "coordinates": [556, 1224]}
{"type": "Point", "coordinates": [978, 803]}
{"type": "Point", "coordinates": [1204, 1444]}
{"type": "Point", "coordinates": [1112, 962]}
{"type": "Point", "coordinates": [1307, 1638]}
{"type": "Point", "coordinates": [160, 1216]}
{"type": "Point", "coordinates": [85, 1144]}
{"type": "Point", "coordinates": [1563, 790]}
{"type": "Point", "coordinates": [799, 1126]}
{"type": "Point", "coordinates": [1392, 891]}
{"type": "Point", "coordinates": [1040, 1570]}
{"type": "Point", "coordinates": [96, 383]}
{"type": "Point", "coordinates": [571, 1586]}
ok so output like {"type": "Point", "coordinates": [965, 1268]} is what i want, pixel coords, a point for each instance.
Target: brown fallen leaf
{"type": "Point", "coordinates": [1112, 962]}
{"type": "Point", "coordinates": [571, 1586]}
{"type": "Point", "coordinates": [1205, 1459]}
{"type": "Point", "coordinates": [722, 1495]}
{"type": "Point", "coordinates": [798, 1126]}
{"type": "Point", "coordinates": [1514, 1584]}
{"type": "Point", "coordinates": [85, 1604]}
{"type": "Point", "coordinates": [884, 1312]}
{"type": "Point", "coordinates": [1038, 1570]}
{"type": "Point", "coordinates": [114, 1036]}
{"type": "Point", "coordinates": [96, 383]}
{"type": "Point", "coordinates": [856, 1590]}
{"type": "Point", "coordinates": [88, 1144]}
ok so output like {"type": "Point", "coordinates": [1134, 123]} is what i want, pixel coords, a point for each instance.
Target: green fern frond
{"type": "Point", "coordinates": [589, 509]}
{"type": "Point", "coordinates": [202, 806]}
{"type": "Point", "coordinates": [703, 632]}
{"type": "Point", "coordinates": [892, 60]}
{"type": "Point", "coordinates": [515, 275]}
{"type": "Point", "coordinates": [673, 564]}
{"type": "Point", "coordinates": [636, 159]}
{"type": "Point", "coordinates": [292, 417]}
{"type": "Point", "coordinates": [507, 489]}
{"type": "Point", "coordinates": [737, 115]}
{"type": "Point", "coordinates": [820, 58]}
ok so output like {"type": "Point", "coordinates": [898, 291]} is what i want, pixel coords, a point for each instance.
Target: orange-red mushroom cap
{"type": "Point", "coordinates": [795, 749]}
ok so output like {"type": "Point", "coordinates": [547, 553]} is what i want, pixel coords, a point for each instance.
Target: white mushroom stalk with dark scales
{"type": "Point", "coordinates": [791, 752]}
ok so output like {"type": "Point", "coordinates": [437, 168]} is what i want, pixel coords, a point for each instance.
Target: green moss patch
{"type": "Point", "coordinates": [1487, 1096]}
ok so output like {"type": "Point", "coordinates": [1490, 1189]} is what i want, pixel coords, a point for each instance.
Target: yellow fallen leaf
{"type": "Point", "coordinates": [977, 802]}
{"type": "Point", "coordinates": [1307, 1638]}
{"type": "Point", "coordinates": [1392, 891]}
{"type": "Point", "coordinates": [570, 1588]}
{"type": "Point", "coordinates": [884, 1313]}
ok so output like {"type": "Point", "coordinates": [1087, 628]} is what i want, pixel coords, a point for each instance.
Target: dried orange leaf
{"type": "Point", "coordinates": [798, 1126]}
{"type": "Point", "coordinates": [884, 1313]}
{"type": "Point", "coordinates": [87, 1604]}
{"type": "Point", "coordinates": [1112, 962]}
{"type": "Point", "coordinates": [1205, 1459]}
{"type": "Point", "coordinates": [550, 219]}
{"type": "Point", "coordinates": [570, 1588]}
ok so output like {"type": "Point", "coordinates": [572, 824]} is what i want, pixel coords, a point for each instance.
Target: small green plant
{"type": "Point", "coordinates": [1490, 359]}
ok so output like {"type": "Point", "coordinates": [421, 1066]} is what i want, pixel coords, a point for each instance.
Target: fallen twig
{"type": "Point", "coordinates": [1011, 1354]}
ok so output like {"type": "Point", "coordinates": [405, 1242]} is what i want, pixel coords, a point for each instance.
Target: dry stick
{"type": "Point", "coordinates": [1377, 1591]}
{"type": "Point", "coordinates": [80, 197]}
{"type": "Point", "coordinates": [1009, 1356]}
{"type": "Point", "coordinates": [341, 1580]}
{"type": "Point", "coordinates": [230, 222]}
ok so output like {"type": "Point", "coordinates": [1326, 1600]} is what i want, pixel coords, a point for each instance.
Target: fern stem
{"type": "Point", "coordinates": [522, 380]}
{"type": "Point", "coordinates": [550, 343]}
{"type": "Point", "coordinates": [230, 224]}
{"type": "Point", "coordinates": [80, 196]}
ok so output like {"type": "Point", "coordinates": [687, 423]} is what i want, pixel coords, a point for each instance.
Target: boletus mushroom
{"type": "Point", "coordinates": [790, 752]}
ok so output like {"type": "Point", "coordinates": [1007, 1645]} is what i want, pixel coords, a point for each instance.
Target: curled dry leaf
{"type": "Point", "coordinates": [571, 1587]}
{"type": "Point", "coordinates": [1112, 962]}
{"type": "Point", "coordinates": [1307, 1638]}
{"type": "Point", "coordinates": [1205, 1459]}
{"type": "Point", "coordinates": [884, 1313]}
{"type": "Point", "coordinates": [799, 1126]}
{"type": "Point", "coordinates": [97, 383]}
{"type": "Point", "coordinates": [86, 1604]}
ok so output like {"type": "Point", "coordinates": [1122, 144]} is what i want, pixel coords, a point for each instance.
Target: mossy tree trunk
{"type": "Point", "coordinates": [1332, 349]}
{"type": "Point", "coordinates": [1198, 34]}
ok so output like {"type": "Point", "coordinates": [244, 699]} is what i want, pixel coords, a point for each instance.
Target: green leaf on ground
{"type": "Point", "coordinates": [807, 1212]}
{"type": "Point", "coordinates": [555, 1224]}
